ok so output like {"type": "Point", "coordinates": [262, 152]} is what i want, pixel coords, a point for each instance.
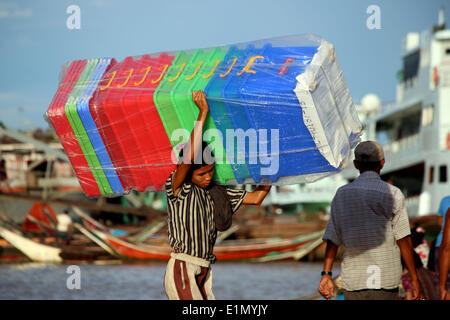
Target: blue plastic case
{"type": "Point", "coordinates": [91, 128]}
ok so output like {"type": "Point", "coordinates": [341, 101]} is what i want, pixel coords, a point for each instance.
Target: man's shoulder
{"type": "Point", "coordinates": [345, 187]}
{"type": "Point", "coordinates": [343, 191]}
{"type": "Point", "coordinates": [375, 184]}
{"type": "Point", "coordinates": [394, 190]}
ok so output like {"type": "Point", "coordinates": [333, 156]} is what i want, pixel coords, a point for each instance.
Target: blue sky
{"type": "Point", "coordinates": [35, 42]}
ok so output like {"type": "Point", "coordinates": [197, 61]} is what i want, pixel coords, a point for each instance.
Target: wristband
{"type": "Point", "coordinates": [328, 273]}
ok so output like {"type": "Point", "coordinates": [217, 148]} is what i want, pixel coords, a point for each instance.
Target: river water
{"type": "Point", "coordinates": [238, 281]}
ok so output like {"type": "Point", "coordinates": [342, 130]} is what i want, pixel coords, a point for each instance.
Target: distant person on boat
{"type": "Point", "coordinates": [444, 249]}
{"type": "Point", "coordinates": [64, 227]}
{"type": "Point", "coordinates": [369, 218]}
{"type": "Point", "coordinates": [197, 208]}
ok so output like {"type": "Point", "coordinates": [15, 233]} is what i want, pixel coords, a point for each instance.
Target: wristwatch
{"type": "Point", "coordinates": [328, 273]}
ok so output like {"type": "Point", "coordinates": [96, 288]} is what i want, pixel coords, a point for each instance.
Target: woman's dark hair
{"type": "Point", "coordinates": [206, 159]}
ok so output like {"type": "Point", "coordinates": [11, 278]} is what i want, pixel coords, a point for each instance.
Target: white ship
{"type": "Point", "coordinates": [414, 130]}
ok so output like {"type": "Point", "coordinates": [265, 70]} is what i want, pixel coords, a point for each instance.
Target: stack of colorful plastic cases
{"type": "Point", "coordinates": [122, 123]}
{"type": "Point", "coordinates": [59, 121]}
{"type": "Point", "coordinates": [220, 114]}
{"type": "Point", "coordinates": [80, 131]}
{"type": "Point", "coordinates": [231, 99]}
{"type": "Point", "coordinates": [158, 151]}
{"type": "Point", "coordinates": [163, 101]}
{"type": "Point", "coordinates": [92, 132]}
{"type": "Point", "coordinates": [195, 76]}
{"type": "Point", "coordinates": [276, 73]}
{"type": "Point", "coordinates": [111, 122]}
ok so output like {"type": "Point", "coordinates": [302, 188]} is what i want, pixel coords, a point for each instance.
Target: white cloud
{"type": "Point", "coordinates": [12, 10]}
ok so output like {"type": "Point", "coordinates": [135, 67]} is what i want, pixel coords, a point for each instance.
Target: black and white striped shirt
{"type": "Point", "coordinates": [191, 219]}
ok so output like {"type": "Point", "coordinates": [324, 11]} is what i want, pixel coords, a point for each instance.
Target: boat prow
{"type": "Point", "coordinates": [33, 250]}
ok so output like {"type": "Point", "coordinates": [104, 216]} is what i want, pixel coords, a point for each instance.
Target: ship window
{"type": "Point", "coordinates": [447, 51]}
{"type": "Point", "coordinates": [409, 180]}
{"type": "Point", "coordinates": [411, 65]}
{"type": "Point", "coordinates": [409, 126]}
{"type": "Point", "coordinates": [443, 173]}
{"type": "Point", "coordinates": [430, 175]}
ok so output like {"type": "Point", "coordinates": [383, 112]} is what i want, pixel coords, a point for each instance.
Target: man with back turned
{"type": "Point", "coordinates": [369, 218]}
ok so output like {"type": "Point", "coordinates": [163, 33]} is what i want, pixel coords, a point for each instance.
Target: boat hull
{"type": "Point", "coordinates": [223, 252]}
{"type": "Point", "coordinates": [33, 250]}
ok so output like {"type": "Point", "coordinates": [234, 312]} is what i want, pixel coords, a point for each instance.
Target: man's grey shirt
{"type": "Point", "coordinates": [368, 216]}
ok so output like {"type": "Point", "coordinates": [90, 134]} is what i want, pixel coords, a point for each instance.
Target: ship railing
{"type": "Point", "coordinates": [407, 88]}
{"type": "Point", "coordinates": [315, 192]}
{"type": "Point", "coordinates": [410, 142]}
{"type": "Point", "coordinates": [386, 106]}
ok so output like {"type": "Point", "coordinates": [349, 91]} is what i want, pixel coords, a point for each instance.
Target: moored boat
{"type": "Point", "coordinates": [49, 250]}
{"type": "Point", "coordinates": [233, 250]}
{"type": "Point", "coordinates": [35, 251]}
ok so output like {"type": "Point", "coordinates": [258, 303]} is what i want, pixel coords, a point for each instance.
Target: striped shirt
{"type": "Point", "coordinates": [368, 216]}
{"type": "Point", "coordinates": [191, 219]}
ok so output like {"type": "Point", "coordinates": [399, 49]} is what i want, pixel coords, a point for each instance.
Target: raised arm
{"type": "Point", "coordinates": [257, 196]}
{"type": "Point", "coordinates": [194, 144]}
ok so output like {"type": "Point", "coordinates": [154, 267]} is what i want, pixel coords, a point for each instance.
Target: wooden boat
{"type": "Point", "coordinates": [38, 241]}
{"type": "Point", "coordinates": [278, 249]}
{"type": "Point", "coordinates": [228, 250]}
{"type": "Point", "coordinates": [139, 235]}
{"type": "Point", "coordinates": [296, 254]}
{"type": "Point", "coordinates": [128, 250]}
{"type": "Point", "coordinates": [33, 250]}
{"type": "Point", "coordinates": [10, 254]}
{"type": "Point", "coordinates": [80, 249]}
